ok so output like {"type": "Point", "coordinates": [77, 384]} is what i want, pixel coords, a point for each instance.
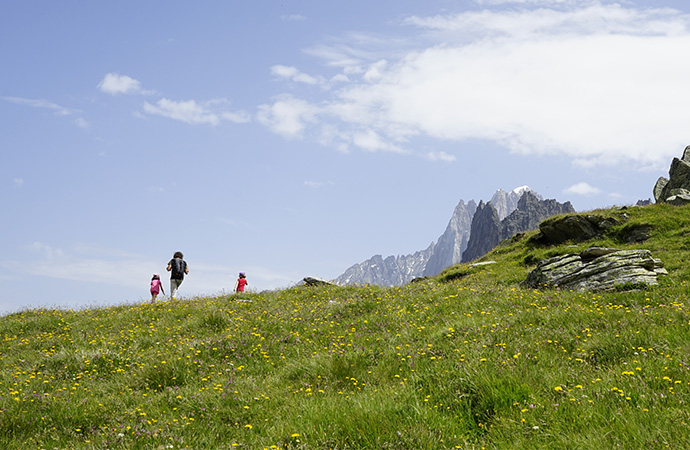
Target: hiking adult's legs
{"type": "Point", "coordinates": [174, 285]}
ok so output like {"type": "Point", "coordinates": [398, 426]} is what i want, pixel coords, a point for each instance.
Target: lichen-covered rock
{"type": "Point", "coordinates": [575, 228]}
{"type": "Point", "coordinates": [676, 188]}
{"type": "Point", "coordinates": [659, 189]}
{"type": "Point", "coordinates": [679, 197]}
{"type": "Point", "coordinates": [597, 269]}
{"type": "Point", "coordinates": [635, 233]}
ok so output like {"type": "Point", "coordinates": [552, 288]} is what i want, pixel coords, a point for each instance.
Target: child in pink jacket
{"type": "Point", "coordinates": [156, 286]}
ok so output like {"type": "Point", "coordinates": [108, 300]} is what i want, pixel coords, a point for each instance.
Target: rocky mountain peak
{"type": "Point", "coordinates": [487, 231]}
{"type": "Point", "coordinates": [505, 202]}
{"type": "Point", "coordinates": [473, 230]}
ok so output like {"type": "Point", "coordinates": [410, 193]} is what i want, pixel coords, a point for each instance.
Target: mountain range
{"type": "Point", "coordinates": [473, 230]}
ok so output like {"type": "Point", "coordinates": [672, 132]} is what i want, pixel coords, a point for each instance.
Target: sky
{"type": "Point", "coordinates": [288, 139]}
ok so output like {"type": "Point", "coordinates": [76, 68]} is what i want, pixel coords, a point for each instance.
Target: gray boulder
{"type": "Point", "coordinates": [635, 233]}
{"type": "Point", "coordinates": [575, 228]}
{"type": "Point", "coordinates": [679, 197]}
{"type": "Point", "coordinates": [676, 188]}
{"type": "Point", "coordinates": [659, 188]}
{"type": "Point", "coordinates": [313, 281]}
{"type": "Point", "coordinates": [597, 269]}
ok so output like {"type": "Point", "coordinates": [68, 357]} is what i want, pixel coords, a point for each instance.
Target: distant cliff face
{"type": "Point", "coordinates": [488, 221]}
{"type": "Point", "coordinates": [453, 241]}
{"type": "Point", "coordinates": [487, 230]}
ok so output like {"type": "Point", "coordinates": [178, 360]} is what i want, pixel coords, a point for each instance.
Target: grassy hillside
{"type": "Point", "coordinates": [467, 359]}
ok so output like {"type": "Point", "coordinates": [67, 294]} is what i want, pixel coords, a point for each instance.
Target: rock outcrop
{"type": "Point", "coordinates": [313, 281]}
{"type": "Point", "coordinates": [675, 189]}
{"type": "Point", "coordinates": [597, 269]}
{"type": "Point", "coordinates": [487, 230]}
{"type": "Point", "coordinates": [583, 227]}
{"type": "Point", "coordinates": [574, 228]}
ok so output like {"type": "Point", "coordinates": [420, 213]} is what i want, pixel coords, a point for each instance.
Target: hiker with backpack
{"type": "Point", "coordinates": [178, 269]}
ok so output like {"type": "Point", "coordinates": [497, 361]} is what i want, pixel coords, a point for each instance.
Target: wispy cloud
{"type": "Point", "coordinates": [318, 184]}
{"type": "Point", "coordinates": [295, 75]}
{"type": "Point", "coordinates": [600, 83]}
{"type": "Point", "coordinates": [94, 264]}
{"type": "Point", "coordinates": [18, 182]}
{"type": "Point", "coordinates": [440, 156]}
{"type": "Point", "coordinates": [534, 2]}
{"type": "Point", "coordinates": [293, 18]}
{"type": "Point", "coordinates": [185, 111]}
{"type": "Point", "coordinates": [189, 111]}
{"type": "Point", "coordinates": [43, 104]}
{"type": "Point", "coordinates": [582, 189]}
{"type": "Point", "coordinates": [87, 262]}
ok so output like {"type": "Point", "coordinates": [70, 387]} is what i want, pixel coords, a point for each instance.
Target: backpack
{"type": "Point", "coordinates": [177, 268]}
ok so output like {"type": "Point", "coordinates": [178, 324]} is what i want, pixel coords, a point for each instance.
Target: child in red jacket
{"type": "Point", "coordinates": [241, 283]}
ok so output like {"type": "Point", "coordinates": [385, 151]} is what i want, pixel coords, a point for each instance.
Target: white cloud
{"type": "Point", "coordinates": [81, 122]}
{"type": "Point", "coordinates": [295, 75]}
{"type": "Point", "coordinates": [18, 182]}
{"type": "Point", "coordinates": [599, 83]}
{"type": "Point", "coordinates": [114, 84]}
{"type": "Point", "coordinates": [372, 141]}
{"type": "Point", "coordinates": [440, 156]}
{"type": "Point", "coordinates": [211, 112]}
{"type": "Point", "coordinates": [237, 116]}
{"type": "Point", "coordinates": [375, 71]}
{"type": "Point", "coordinates": [533, 2]}
{"type": "Point", "coordinates": [185, 111]}
{"type": "Point", "coordinates": [46, 250]}
{"type": "Point", "coordinates": [287, 116]}
{"type": "Point", "coordinates": [42, 103]}
{"type": "Point", "coordinates": [582, 189]}
{"type": "Point", "coordinates": [355, 49]}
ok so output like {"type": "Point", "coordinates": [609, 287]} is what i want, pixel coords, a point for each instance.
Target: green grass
{"type": "Point", "coordinates": [468, 359]}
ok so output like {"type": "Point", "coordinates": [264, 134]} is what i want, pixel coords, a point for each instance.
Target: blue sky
{"type": "Point", "coordinates": [296, 138]}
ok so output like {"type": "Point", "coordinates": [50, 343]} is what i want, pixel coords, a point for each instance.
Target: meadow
{"type": "Point", "coordinates": [468, 359]}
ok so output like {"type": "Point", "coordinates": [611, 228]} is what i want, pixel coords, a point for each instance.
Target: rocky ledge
{"type": "Point", "coordinates": [675, 189]}
{"type": "Point", "coordinates": [597, 269]}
